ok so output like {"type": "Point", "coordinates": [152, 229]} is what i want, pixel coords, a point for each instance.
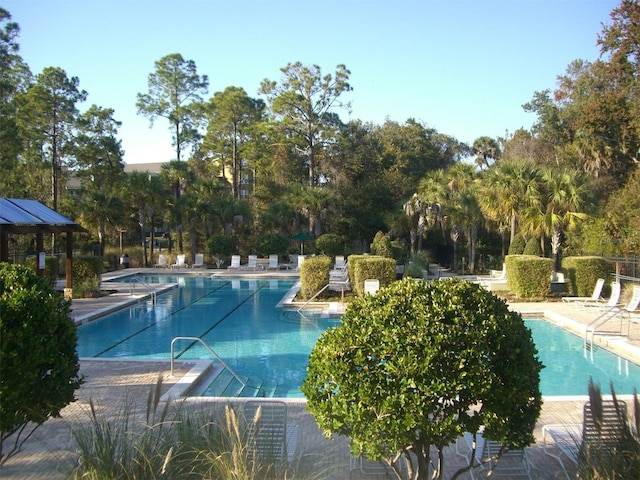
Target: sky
{"type": "Point", "coordinates": [462, 67]}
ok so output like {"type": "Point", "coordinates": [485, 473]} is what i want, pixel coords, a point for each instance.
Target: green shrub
{"type": "Point", "coordinates": [330, 244]}
{"type": "Point", "coordinates": [86, 276]}
{"type": "Point", "coordinates": [532, 248]}
{"type": "Point", "coordinates": [418, 262]}
{"type": "Point", "coordinates": [38, 358]}
{"type": "Point", "coordinates": [582, 273]}
{"type": "Point", "coordinates": [412, 368]}
{"type": "Point", "coordinates": [219, 247]}
{"type": "Point", "coordinates": [51, 267]}
{"type": "Point", "coordinates": [273, 243]}
{"type": "Point", "coordinates": [517, 246]}
{"type": "Point", "coordinates": [529, 276]}
{"type": "Point", "coordinates": [314, 274]}
{"type": "Point", "coordinates": [370, 267]}
{"type": "Point", "coordinates": [381, 246]}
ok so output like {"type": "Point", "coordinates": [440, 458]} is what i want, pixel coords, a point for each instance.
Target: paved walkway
{"type": "Point", "coordinates": [49, 454]}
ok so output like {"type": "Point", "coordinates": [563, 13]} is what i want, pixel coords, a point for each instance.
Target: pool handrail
{"type": "Point", "coordinates": [224, 364]}
{"type": "Point", "coordinates": [132, 287]}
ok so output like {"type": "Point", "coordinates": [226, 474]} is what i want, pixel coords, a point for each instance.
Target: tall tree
{"type": "Point", "coordinates": [232, 123]}
{"type": "Point", "coordinates": [100, 168]}
{"type": "Point", "coordinates": [486, 150]}
{"type": "Point", "coordinates": [175, 93]}
{"type": "Point", "coordinates": [304, 101]}
{"type": "Point", "coordinates": [49, 114]}
{"type": "Point", "coordinates": [177, 176]}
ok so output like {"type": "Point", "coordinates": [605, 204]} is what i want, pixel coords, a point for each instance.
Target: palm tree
{"type": "Point", "coordinates": [486, 149]}
{"type": "Point", "coordinates": [508, 188]}
{"type": "Point", "coordinates": [177, 176]}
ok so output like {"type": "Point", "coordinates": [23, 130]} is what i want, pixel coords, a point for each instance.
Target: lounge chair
{"type": "Point", "coordinates": [180, 262]}
{"type": "Point", "coordinates": [562, 442]}
{"type": "Point", "coordinates": [199, 261]}
{"type": "Point", "coordinates": [300, 261]}
{"type": "Point", "coordinates": [273, 262]}
{"type": "Point", "coordinates": [235, 262]}
{"type": "Point", "coordinates": [340, 263]}
{"type": "Point", "coordinates": [497, 275]}
{"type": "Point", "coordinates": [594, 298]}
{"type": "Point", "coordinates": [270, 439]}
{"type": "Point", "coordinates": [601, 435]}
{"type": "Point", "coordinates": [613, 301]}
{"type": "Point", "coordinates": [510, 464]}
{"type": "Point", "coordinates": [252, 263]}
{"type": "Point", "coordinates": [162, 262]}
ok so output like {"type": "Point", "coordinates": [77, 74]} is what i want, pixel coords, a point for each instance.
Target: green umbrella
{"type": "Point", "coordinates": [302, 236]}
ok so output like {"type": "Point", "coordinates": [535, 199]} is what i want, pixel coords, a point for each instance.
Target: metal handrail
{"type": "Point", "coordinates": [198, 339]}
{"type": "Point", "coordinates": [132, 288]}
{"type": "Point", "coordinates": [592, 328]}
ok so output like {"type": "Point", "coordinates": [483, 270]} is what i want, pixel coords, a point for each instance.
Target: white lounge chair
{"type": "Point", "coordinates": [252, 263]}
{"type": "Point", "coordinates": [199, 261]}
{"type": "Point", "coordinates": [341, 263]}
{"type": "Point", "coordinates": [601, 436]}
{"type": "Point", "coordinates": [613, 301]}
{"type": "Point", "coordinates": [273, 262]}
{"type": "Point", "coordinates": [162, 262]}
{"type": "Point", "coordinates": [180, 262]}
{"type": "Point", "coordinates": [595, 296]}
{"type": "Point", "coordinates": [300, 261]}
{"type": "Point", "coordinates": [235, 262]}
{"type": "Point", "coordinates": [510, 464]}
{"type": "Point", "coordinates": [270, 438]}
{"type": "Point", "coordinates": [562, 442]}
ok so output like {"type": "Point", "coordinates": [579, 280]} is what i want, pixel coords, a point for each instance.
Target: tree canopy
{"type": "Point", "coordinates": [419, 364]}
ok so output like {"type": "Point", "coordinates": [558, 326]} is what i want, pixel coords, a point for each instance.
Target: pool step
{"type": "Point", "coordinates": [226, 385]}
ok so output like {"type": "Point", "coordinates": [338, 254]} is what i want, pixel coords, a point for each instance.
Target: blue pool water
{"type": "Point", "coordinates": [269, 346]}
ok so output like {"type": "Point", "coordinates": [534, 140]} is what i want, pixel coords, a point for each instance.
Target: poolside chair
{"type": "Point", "coordinates": [180, 262]}
{"type": "Point", "coordinates": [252, 263]}
{"type": "Point", "coordinates": [273, 262]}
{"type": "Point", "coordinates": [162, 262]}
{"type": "Point", "coordinates": [340, 263]}
{"type": "Point", "coordinates": [603, 429]}
{"type": "Point", "coordinates": [613, 301]}
{"type": "Point", "coordinates": [595, 296]}
{"type": "Point", "coordinates": [300, 261]}
{"type": "Point", "coordinates": [199, 261]}
{"type": "Point", "coordinates": [235, 262]}
{"type": "Point", "coordinates": [508, 464]}
{"type": "Point", "coordinates": [562, 442]}
{"type": "Point", "coordinates": [269, 437]}
{"type": "Point", "coordinates": [499, 274]}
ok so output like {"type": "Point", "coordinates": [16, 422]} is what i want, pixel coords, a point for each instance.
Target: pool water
{"type": "Point", "coordinates": [269, 346]}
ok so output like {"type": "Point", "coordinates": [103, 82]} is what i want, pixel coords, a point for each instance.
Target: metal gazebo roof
{"type": "Point", "coordinates": [29, 216]}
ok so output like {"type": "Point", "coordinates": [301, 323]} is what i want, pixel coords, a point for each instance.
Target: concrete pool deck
{"type": "Point", "coordinates": [49, 453]}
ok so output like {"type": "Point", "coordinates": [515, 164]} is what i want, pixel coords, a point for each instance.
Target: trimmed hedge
{"type": "Point", "coordinates": [363, 267]}
{"type": "Point", "coordinates": [314, 274]}
{"type": "Point", "coordinates": [529, 276]}
{"type": "Point", "coordinates": [582, 273]}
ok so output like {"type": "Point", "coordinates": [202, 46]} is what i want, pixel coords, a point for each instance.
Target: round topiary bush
{"type": "Point", "coordinates": [419, 364]}
{"type": "Point", "coordinates": [330, 244]}
{"type": "Point", "coordinates": [39, 373]}
{"type": "Point", "coordinates": [517, 246]}
{"type": "Point", "coordinates": [532, 247]}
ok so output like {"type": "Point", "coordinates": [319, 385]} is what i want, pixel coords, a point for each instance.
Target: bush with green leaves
{"type": "Point", "coordinates": [314, 274]}
{"type": "Point", "coordinates": [330, 244]}
{"type": "Point", "coordinates": [582, 273]}
{"type": "Point", "coordinates": [219, 247]}
{"type": "Point", "coordinates": [517, 246]}
{"type": "Point", "coordinates": [529, 276]}
{"type": "Point", "coordinates": [532, 247]}
{"type": "Point", "coordinates": [381, 246]}
{"type": "Point", "coordinates": [418, 365]}
{"type": "Point", "coordinates": [273, 243]}
{"type": "Point", "coordinates": [38, 358]}
{"type": "Point", "coordinates": [50, 267]}
{"type": "Point", "coordinates": [382, 269]}
{"type": "Point", "coordinates": [86, 276]}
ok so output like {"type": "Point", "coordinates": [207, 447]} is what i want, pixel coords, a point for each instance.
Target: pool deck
{"type": "Point", "coordinates": [49, 453]}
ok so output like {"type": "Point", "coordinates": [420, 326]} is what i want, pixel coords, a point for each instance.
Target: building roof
{"type": "Point", "coordinates": [30, 216]}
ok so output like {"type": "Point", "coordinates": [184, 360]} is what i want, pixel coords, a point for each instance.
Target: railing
{"type": "Point", "coordinates": [137, 280]}
{"type": "Point", "coordinates": [216, 356]}
{"type": "Point", "coordinates": [599, 321]}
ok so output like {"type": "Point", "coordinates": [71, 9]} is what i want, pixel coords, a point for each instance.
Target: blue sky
{"type": "Point", "coordinates": [463, 67]}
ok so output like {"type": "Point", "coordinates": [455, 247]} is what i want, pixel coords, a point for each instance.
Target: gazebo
{"type": "Point", "coordinates": [28, 217]}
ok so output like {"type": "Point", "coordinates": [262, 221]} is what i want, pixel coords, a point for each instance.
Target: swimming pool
{"type": "Point", "coordinates": [269, 346]}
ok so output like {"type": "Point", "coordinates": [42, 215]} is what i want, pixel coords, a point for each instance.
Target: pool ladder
{"type": "Point", "coordinates": [592, 328]}
{"type": "Point", "coordinates": [216, 356]}
{"type": "Point", "coordinates": [138, 280]}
